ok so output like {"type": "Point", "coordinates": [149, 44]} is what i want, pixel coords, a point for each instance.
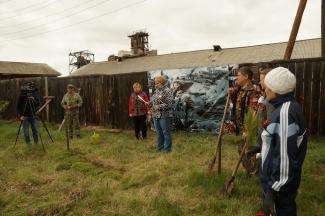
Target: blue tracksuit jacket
{"type": "Point", "coordinates": [284, 145]}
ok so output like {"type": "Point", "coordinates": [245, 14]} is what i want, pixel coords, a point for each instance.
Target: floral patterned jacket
{"type": "Point", "coordinates": [244, 99]}
{"type": "Point", "coordinates": [162, 103]}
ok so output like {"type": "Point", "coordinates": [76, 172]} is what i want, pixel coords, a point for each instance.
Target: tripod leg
{"type": "Point", "coordinates": [31, 104]}
{"type": "Point", "coordinates": [67, 138]}
{"type": "Point", "coordinates": [32, 107]}
{"type": "Point", "coordinates": [40, 137]}
{"type": "Point", "coordinates": [21, 122]}
{"type": "Point", "coordinates": [44, 125]}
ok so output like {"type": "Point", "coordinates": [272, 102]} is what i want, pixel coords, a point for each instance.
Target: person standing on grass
{"type": "Point", "coordinates": [284, 145]}
{"type": "Point", "coordinates": [264, 114]}
{"type": "Point", "coordinates": [244, 97]}
{"type": "Point", "coordinates": [268, 108]}
{"type": "Point", "coordinates": [27, 105]}
{"type": "Point", "coordinates": [71, 102]}
{"type": "Point", "coordinates": [138, 110]}
{"type": "Point", "coordinates": [162, 102]}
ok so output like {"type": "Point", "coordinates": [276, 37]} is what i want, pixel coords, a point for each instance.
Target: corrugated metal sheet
{"type": "Point", "coordinates": [251, 54]}
{"type": "Point", "coordinates": [26, 69]}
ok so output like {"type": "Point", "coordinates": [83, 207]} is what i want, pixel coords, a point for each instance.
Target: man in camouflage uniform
{"type": "Point", "coordinates": [244, 97]}
{"type": "Point", "coordinates": [71, 102]}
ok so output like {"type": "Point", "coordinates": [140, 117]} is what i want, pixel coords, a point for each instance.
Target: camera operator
{"type": "Point", "coordinates": [27, 104]}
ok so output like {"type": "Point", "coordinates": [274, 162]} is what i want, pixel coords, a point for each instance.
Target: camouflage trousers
{"type": "Point", "coordinates": [72, 122]}
{"type": "Point", "coordinates": [250, 164]}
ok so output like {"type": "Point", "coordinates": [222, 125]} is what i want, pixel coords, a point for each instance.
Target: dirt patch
{"type": "Point", "coordinates": [98, 163]}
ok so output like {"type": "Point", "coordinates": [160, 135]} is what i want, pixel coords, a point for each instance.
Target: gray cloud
{"type": "Point", "coordinates": [174, 26]}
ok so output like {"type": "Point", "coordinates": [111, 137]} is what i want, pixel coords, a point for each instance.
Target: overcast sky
{"type": "Point", "coordinates": [46, 31]}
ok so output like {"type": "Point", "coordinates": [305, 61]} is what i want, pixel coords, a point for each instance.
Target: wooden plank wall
{"type": "Point", "coordinates": [105, 98]}
{"type": "Point", "coordinates": [9, 91]}
{"type": "Point", "coordinates": [310, 90]}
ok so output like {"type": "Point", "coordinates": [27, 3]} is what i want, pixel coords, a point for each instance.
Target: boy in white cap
{"type": "Point", "coordinates": [284, 145]}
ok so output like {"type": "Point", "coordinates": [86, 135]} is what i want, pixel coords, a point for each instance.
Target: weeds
{"type": "Point", "coordinates": [122, 177]}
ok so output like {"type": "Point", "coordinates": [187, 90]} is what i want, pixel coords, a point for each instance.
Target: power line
{"type": "Point", "coordinates": [34, 9]}
{"type": "Point", "coordinates": [20, 9]}
{"type": "Point", "coordinates": [6, 1]}
{"type": "Point", "coordinates": [78, 23]}
{"type": "Point", "coordinates": [55, 20]}
{"type": "Point", "coordinates": [49, 15]}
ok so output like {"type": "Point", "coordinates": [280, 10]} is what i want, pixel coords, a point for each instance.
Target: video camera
{"type": "Point", "coordinates": [28, 89]}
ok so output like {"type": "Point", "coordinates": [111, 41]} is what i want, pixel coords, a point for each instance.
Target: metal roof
{"type": "Point", "coordinates": [25, 69]}
{"type": "Point", "coordinates": [310, 48]}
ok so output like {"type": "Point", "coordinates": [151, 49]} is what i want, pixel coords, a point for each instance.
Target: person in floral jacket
{"type": "Point", "coordinates": [162, 102]}
{"type": "Point", "coordinates": [245, 96]}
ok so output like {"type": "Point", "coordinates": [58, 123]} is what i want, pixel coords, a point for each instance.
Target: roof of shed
{"type": "Point", "coordinates": [25, 69]}
{"type": "Point", "coordinates": [310, 48]}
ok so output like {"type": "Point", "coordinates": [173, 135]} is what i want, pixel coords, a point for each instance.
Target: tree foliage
{"type": "Point", "coordinates": [251, 125]}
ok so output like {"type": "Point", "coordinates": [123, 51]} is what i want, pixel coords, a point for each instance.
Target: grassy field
{"type": "Point", "coordinates": [120, 176]}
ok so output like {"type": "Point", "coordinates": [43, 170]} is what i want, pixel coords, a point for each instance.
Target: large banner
{"type": "Point", "coordinates": [199, 95]}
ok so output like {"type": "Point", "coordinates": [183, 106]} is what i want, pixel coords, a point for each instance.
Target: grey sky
{"type": "Point", "coordinates": [173, 25]}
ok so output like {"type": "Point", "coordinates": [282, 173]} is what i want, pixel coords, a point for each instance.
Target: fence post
{"type": "Point", "coordinates": [46, 96]}
{"type": "Point", "coordinates": [294, 30]}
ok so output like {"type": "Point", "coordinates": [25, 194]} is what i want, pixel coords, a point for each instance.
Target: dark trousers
{"type": "Point", "coordinates": [285, 204]}
{"type": "Point", "coordinates": [140, 125]}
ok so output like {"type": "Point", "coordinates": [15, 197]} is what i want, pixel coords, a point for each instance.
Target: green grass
{"type": "Point", "coordinates": [119, 176]}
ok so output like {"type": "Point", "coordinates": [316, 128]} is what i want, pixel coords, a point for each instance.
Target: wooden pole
{"type": "Point", "coordinates": [294, 30]}
{"type": "Point", "coordinates": [48, 100]}
{"type": "Point", "coordinates": [323, 28]}
{"type": "Point", "coordinates": [217, 153]}
{"type": "Point", "coordinates": [67, 139]}
{"type": "Point", "coordinates": [46, 95]}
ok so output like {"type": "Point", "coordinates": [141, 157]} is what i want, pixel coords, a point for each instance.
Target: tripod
{"type": "Point", "coordinates": [30, 104]}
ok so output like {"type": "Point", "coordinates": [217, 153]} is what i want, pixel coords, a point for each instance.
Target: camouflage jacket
{"type": "Point", "coordinates": [244, 98]}
{"type": "Point", "coordinates": [73, 100]}
{"type": "Point", "coordinates": [162, 103]}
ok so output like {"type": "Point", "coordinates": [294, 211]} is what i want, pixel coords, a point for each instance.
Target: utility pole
{"type": "Point", "coordinates": [323, 28]}
{"type": "Point", "coordinates": [294, 30]}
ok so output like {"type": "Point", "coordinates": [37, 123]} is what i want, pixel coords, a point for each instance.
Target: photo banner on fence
{"type": "Point", "coordinates": [199, 95]}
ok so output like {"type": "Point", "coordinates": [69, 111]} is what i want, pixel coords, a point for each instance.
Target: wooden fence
{"type": "Point", "coordinates": [106, 97]}
{"type": "Point", "coordinates": [310, 90]}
